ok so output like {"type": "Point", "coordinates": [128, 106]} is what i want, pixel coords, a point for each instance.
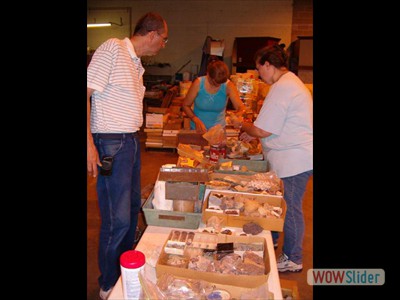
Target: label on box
{"type": "Point", "coordinates": [154, 120]}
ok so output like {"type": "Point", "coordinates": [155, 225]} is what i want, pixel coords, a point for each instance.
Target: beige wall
{"type": "Point", "coordinates": [302, 23]}
{"type": "Point", "coordinates": [190, 22]}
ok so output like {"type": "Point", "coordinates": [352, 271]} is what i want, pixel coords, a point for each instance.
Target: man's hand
{"type": "Point", "coordinates": [93, 159]}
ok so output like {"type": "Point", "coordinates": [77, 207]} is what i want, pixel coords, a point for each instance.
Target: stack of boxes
{"type": "Point", "coordinates": [162, 127]}
{"type": "Point", "coordinates": [154, 127]}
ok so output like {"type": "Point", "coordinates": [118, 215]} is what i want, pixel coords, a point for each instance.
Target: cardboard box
{"type": "Point", "coordinates": [238, 179]}
{"type": "Point", "coordinates": [153, 94]}
{"type": "Point", "coordinates": [154, 120]}
{"type": "Point", "coordinates": [246, 281]}
{"type": "Point", "coordinates": [157, 110]}
{"type": "Point", "coordinates": [236, 292]}
{"type": "Point", "coordinates": [170, 141]}
{"type": "Point", "coordinates": [191, 137]}
{"type": "Point", "coordinates": [176, 125]}
{"type": "Point", "coordinates": [289, 289]}
{"type": "Point", "coordinates": [273, 224]}
{"type": "Point", "coordinates": [167, 218]}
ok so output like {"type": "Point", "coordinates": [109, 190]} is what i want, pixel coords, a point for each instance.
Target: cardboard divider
{"type": "Point", "coordinates": [181, 190]}
{"type": "Point", "coordinates": [184, 174]}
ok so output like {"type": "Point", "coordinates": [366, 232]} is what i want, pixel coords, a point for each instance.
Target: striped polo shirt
{"type": "Point", "coordinates": [116, 74]}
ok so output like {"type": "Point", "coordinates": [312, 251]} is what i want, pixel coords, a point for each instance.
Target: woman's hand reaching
{"type": "Point", "coordinates": [245, 137]}
{"type": "Point", "coordinates": [200, 127]}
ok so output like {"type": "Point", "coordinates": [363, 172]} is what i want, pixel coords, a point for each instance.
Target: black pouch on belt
{"type": "Point", "coordinates": [106, 168]}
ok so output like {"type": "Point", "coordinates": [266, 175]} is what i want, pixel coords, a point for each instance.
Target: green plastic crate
{"type": "Point", "coordinates": [176, 219]}
{"type": "Point", "coordinates": [259, 166]}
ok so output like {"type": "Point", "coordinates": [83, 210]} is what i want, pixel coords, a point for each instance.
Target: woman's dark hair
{"type": "Point", "coordinates": [218, 71]}
{"type": "Point", "coordinates": [274, 54]}
{"type": "Point", "coordinates": [149, 22]}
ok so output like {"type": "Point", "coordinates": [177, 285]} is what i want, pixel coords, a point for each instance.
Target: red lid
{"type": "Point", "coordinates": [132, 259]}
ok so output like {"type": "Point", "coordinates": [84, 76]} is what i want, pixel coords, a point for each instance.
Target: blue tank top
{"type": "Point", "coordinates": [210, 108]}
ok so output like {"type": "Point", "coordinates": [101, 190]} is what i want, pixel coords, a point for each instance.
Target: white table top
{"type": "Point", "coordinates": [154, 238]}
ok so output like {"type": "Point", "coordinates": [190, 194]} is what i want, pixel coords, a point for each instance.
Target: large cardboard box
{"type": "Point", "coordinates": [154, 120]}
{"type": "Point", "coordinates": [236, 292]}
{"type": "Point", "coordinates": [273, 224]}
{"type": "Point", "coordinates": [246, 281]}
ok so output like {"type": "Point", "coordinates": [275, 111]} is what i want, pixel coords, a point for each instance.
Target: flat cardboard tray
{"type": "Point", "coordinates": [273, 224]}
{"type": "Point", "coordinates": [246, 281]}
{"type": "Point", "coordinates": [237, 178]}
{"type": "Point", "coordinates": [236, 292]}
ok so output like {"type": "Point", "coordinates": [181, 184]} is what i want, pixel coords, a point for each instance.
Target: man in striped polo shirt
{"type": "Point", "coordinates": [115, 93]}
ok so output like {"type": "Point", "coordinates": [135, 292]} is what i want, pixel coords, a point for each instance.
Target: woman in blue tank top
{"type": "Point", "coordinates": [208, 95]}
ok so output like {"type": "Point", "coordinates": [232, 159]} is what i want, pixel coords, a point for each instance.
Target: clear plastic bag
{"type": "Point", "coordinates": [216, 135]}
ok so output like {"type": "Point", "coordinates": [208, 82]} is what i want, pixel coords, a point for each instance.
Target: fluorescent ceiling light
{"type": "Point", "coordinates": [98, 25]}
{"type": "Point", "coordinates": [92, 25]}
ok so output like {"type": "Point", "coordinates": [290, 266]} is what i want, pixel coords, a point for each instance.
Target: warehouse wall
{"type": "Point", "coordinates": [190, 22]}
{"type": "Point", "coordinates": [302, 21]}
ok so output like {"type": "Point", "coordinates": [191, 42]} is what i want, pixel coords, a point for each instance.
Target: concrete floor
{"type": "Point", "coordinates": [151, 162]}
